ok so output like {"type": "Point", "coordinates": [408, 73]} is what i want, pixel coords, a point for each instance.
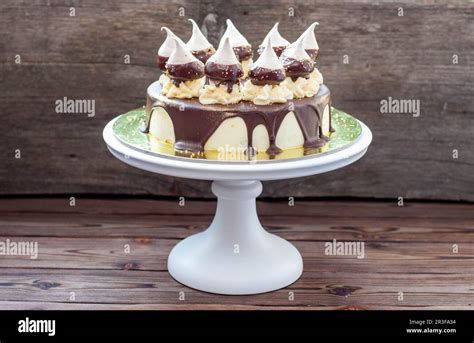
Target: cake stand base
{"type": "Point", "coordinates": [235, 255]}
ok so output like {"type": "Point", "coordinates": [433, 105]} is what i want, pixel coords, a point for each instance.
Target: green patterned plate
{"type": "Point", "coordinates": [127, 129]}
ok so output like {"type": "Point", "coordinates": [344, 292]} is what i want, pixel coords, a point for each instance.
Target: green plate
{"type": "Point", "coordinates": [127, 129]}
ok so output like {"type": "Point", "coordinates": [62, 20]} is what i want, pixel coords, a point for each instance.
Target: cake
{"type": "Point", "coordinates": [209, 100]}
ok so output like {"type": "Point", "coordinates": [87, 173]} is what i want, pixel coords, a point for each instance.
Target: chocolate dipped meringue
{"type": "Point", "coordinates": [265, 76]}
{"type": "Point", "coordinates": [240, 45]}
{"type": "Point", "coordinates": [296, 61]}
{"type": "Point", "coordinates": [165, 51]}
{"type": "Point", "coordinates": [278, 42]}
{"type": "Point", "coordinates": [298, 68]}
{"type": "Point", "coordinates": [312, 49]}
{"type": "Point", "coordinates": [185, 73]}
{"type": "Point", "coordinates": [199, 45]}
{"type": "Point", "coordinates": [223, 72]}
{"type": "Point", "coordinates": [167, 48]}
{"type": "Point", "coordinates": [309, 42]}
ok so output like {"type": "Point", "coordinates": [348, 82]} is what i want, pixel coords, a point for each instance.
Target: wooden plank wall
{"type": "Point", "coordinates": [82, 57]}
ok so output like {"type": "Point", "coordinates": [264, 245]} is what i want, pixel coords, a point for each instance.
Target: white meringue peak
{"type": "Point", "coordinates": [268, 59]}
{"type": "Point", "coordinates": [309, 38]}
{"type": "Point", "coordinates": [167, 48]}
{"type": "Point", "coordinates": [236, 38]}
{"type": "Point", "coordinates": [181, 54]}
{"type": "Point", "coordinates": [225, 54]}
{"type": "Point", "coordinates": [296, 51]}
{"type": "Point", "coordinates": [275, 36]}
{"type": "Point", "coordinates": [198, 41]}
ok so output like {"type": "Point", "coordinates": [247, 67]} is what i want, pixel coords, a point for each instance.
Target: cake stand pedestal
{"type": "Point", "coordinates": [236, 255]}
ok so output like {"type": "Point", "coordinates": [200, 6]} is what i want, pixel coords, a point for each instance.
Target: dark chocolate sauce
{"type": "Point", "coordinates": [264, 76]}
{"type": "Point", "coordinates": [226, 74]}
{"type": "Point", "coordinates": [203, 55]}
{"type": "Point", "coordinates": [243, 52]}
{"type": "Point", "coordinates": [297, 68]}
{"type": "Point", "coordinates": [161, 60]}
{"type": "Point", "coordinates": [313, 53]}
{"type": "Point", "coordinates": [194, 122]}
{"type": "Point", "coordinates": [185, 72]}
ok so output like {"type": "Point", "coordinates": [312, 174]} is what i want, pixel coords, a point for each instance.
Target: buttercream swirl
{"type": "Point", "coordinates": [316, 76]}
{"type": "Point", "coordinates": [266, 94]}
{"type": "Point", "coordinates": [219, 94]}
{"type": "Point", "coordinates": [184, 90]}
{"type": "Point", "coordinates": [301, 87]}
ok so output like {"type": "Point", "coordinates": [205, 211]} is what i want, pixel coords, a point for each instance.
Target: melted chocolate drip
{"type": "Point", "coordinates": [297, 68]}
{"type": "Point", "coordinates": [264, 76]}
{"type": "Point", "coordinates": [185, 72]}
{"type": "Point", "coordinates": [228, 83]}
{"type": "Point", "coordinates": [243, 52]}
{"type": "Point", "coordinates": [194, 124]}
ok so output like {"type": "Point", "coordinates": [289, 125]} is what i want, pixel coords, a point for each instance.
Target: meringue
{"type": "Point", "coordinates": [167, 48]}
{"type": "Point", "coordinates": [310, 43]}
{"type": "Point", "coordinates": [278, 42]}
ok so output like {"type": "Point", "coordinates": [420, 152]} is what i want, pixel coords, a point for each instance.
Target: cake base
{"type": "Point", "coordinates": [192, 127]}
{"type": "Point", "coordinates": [235, 255]}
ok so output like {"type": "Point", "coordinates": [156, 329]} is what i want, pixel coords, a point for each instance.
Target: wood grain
{"type": "Point", "coordinates": [81, 250]}
{"type": "Point", "coordinates": [82, 57]}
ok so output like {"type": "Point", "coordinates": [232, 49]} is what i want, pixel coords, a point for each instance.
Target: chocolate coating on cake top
{"type": "Point", "coordinates": [192, 136]}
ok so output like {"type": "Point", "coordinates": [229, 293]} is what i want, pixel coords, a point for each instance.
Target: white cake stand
{"type": "Point", "coordinates": [235, 255]}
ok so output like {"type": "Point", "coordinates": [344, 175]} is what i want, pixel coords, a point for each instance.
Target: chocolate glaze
{"type": "Point", "coordinates": [185, 72]}
{"type": "Point", "coordinates": [161, 60]}
{"type": "Point", "coordinates": [264, 76]}
{"type": "Point", "coordinates": [203, 55]}
{"type": "Point", "coordinates": [278, 49]}
{"type": "Point", "coordinates": [297, 68]}
{"type": "Point", "coordinates": [243, 52]}
{"type": "Point", "coordinates": [313, 53]}
{"type": "Point", "coordinates": [194, 124]}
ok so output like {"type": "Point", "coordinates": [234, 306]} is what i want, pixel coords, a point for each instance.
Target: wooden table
{"type": "Point", "coordinates": [409, 261]}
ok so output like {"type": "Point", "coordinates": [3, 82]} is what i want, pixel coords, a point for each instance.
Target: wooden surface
{"type": "Point", "coordinates": [82, 57]}
{"type": "Point", "coordinates": [81, 249]}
